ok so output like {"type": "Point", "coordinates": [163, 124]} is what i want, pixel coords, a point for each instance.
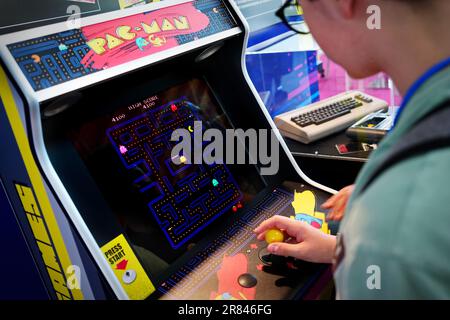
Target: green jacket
{"type": "Point", "coordinates": [396, 234]}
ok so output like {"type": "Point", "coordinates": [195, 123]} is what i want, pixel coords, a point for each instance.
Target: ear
{"type": "Point", "coordinates": [347, 8]}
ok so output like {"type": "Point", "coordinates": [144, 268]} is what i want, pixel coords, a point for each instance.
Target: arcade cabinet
{"type": "Point", "coordinates": [88, 168]}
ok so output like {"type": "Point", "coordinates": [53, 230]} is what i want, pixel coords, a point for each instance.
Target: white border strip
{"type": "Point", "coordinates": [62, 194]}
{"type": "Point", "coordinates": [266, 113]}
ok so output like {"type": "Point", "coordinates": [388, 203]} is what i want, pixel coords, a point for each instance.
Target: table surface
{"type": "Point", "coordinates": [326, 149]}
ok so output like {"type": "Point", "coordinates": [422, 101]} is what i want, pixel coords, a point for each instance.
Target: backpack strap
{"type": "Point", "coordinates": [430, 133]}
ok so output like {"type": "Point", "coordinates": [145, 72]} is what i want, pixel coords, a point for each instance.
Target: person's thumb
{"type": "Point", "coordinates": [286, 249]}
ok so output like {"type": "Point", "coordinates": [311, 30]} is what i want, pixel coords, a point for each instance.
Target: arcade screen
{"type": "Point", "coordinates": [163, 208]}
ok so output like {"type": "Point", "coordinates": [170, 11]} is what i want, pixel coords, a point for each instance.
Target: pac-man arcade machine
{"type": "Point", "coordinates": [89, 113]}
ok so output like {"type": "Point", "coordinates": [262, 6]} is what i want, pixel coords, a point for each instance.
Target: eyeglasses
{"type": "Point", "coordinates": [291, 15]}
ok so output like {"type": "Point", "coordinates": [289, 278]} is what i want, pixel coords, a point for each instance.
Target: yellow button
{"type": "Point", "coordinates": [274, 235]}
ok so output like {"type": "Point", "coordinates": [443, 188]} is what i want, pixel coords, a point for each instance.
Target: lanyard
{"type": "Point", "coordinates": [418, 84]}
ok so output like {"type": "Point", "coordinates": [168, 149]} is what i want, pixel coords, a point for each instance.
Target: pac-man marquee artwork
{"type": "Point", "coordinates": [60, 57]}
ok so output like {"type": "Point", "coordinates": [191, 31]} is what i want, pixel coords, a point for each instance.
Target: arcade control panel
{"type": "Point", "coordinates": [236, 266]}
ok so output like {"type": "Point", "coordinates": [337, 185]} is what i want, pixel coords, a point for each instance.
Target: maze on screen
{"type": "Point", "coordinates": [183, 198]}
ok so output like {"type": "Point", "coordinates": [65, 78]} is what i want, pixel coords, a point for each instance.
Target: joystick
{"type": "Point", "coordinates": [274, 235]}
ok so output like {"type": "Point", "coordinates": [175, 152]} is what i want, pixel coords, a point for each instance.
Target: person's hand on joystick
{"type": "Point", "coordinates": [305, 242]}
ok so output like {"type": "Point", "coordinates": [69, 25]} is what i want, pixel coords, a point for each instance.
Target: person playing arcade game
{"type": "Point", "coordinates": [393, 242]}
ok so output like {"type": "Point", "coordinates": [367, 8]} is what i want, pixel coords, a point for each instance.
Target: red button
{"type": "Point", "coordinates": [316, 225]}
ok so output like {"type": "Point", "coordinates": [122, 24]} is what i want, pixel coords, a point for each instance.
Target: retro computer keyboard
{"type": "Point", "coordinates": [328, 116]}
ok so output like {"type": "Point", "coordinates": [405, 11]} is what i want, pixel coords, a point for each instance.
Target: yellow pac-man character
{"type": "Point", "coordinates": [304, 205]}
